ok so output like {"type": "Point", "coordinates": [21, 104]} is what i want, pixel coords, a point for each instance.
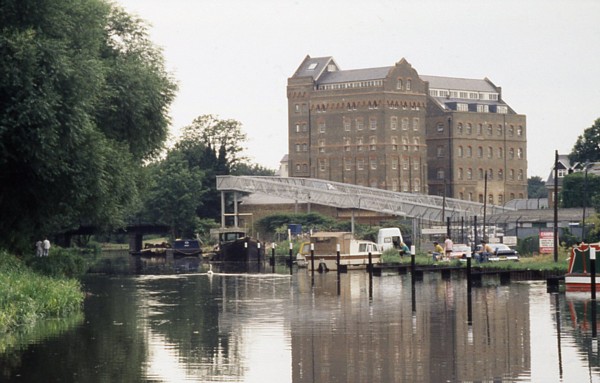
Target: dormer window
{"type": "Point", "coordinates": [312, 66]}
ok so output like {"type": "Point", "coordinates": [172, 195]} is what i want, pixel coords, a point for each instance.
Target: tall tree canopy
{"type": "Point", "coordinates": [83, 101]}
{"type": "Point", "coordinates": [587, 146]}
{"type": "Point", "coordinates": [536, 188]}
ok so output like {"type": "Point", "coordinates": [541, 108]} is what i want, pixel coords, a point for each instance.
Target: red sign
{"type": "Point", "coordinates": [546, 242]}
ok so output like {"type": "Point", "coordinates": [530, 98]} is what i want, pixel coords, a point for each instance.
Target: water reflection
{"type": "Point", "coordinates": [280, 328]}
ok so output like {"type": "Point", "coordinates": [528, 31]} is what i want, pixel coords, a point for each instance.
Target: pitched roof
{"type": "Point", "coordinates": [354, 75]}
{"type": "Point", "coordinates": [438, 82]}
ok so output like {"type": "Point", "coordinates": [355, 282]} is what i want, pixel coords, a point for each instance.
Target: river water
{"type": "Point", "coordinates": [279, 328]}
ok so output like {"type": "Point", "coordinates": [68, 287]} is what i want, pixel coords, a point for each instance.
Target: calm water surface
{"type": "Point", "coordinates": [282, 328]}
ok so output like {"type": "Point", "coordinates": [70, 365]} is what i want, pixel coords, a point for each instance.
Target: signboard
{"type": "Point", "coordinates": [546, 242]}
{"type": "Point", "coordinates": [510, 240]}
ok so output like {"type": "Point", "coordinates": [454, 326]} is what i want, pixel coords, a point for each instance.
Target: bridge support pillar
{"type": "Point", "coordinates": [135, 242]}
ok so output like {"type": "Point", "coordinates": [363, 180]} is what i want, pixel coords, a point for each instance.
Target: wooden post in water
{"type": "Point", "coordinates": [258, 249]}
{"type": "Point", "coordinates": [312, 263]}
{"type": "Point", "coordinates": [337, 261]}
{"type": "Point", "coordinates": [273, 256]}
{"type": "Point", "coordinates": [291, 259]}
{"type": "Point", "coordinates": [370, 275]}
{"type": "Point", "coordinates": [593, 271]}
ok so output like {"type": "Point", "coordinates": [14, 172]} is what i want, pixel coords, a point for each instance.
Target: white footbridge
{"type": "Point", "coordinates": [345, 196]}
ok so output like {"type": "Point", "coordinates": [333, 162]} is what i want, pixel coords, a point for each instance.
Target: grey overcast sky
{"type": "Point", "coordinates": [232, 58]}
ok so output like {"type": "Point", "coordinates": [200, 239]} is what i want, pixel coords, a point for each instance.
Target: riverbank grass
{"type": "Point", "coordinates": [26, 296]}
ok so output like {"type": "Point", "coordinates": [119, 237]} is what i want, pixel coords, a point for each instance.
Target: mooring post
{"type": "Point", "coordinates": [593, 271]}
{"type": "Point", "coordinates": [273, 255]}
{"type": "Point", "coordinates": [337, 258]}
{"type": "Point", "coordinates": [258, 248]}
{"type": "Point", "coordinates": [469, 281]}
{"type": "Point", "coordinates": [412, 261]}
{"type": "Point", "coordinates": [312, 263]}
{"type": "Point", "coordinates": [291, 260]}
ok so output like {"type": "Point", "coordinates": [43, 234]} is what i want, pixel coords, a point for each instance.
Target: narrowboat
{"type": "Point", "coordinates": [578, 277]}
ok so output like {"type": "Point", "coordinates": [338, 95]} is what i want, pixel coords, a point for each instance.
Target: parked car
{"type": "Point", "coordinates": [503, 253]}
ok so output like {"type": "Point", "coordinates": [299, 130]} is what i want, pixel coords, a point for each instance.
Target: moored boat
{"type": "Point", "coordinates": [354, 253]}
{"type": "Point", "coordinates": [235, 246]}
{"type": "Point", "coordinates": [578, 277]}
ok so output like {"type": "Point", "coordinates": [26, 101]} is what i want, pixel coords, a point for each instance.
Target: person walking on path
{"type": "Point", "coordinates": [448, 244]}
{"type": "Point", "coordinates": [46, 247]}
{"type": "Point", "coordinates": [39, 248]}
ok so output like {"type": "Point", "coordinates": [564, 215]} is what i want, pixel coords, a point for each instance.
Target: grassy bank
{"type": "Point", "coordinates": [26, 296]}
{"type": "Point", "coordinates": [526, 262]}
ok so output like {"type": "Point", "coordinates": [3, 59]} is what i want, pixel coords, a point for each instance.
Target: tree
{"type": "Point", "coordinates": [536, 188]}
{"type": "Point", "coordinates": [576, 190]}
{"type": "Point", "coordinates": [174, 198]}
{"type": "Point", "coordinates": [82, 103]}
{"type": "Point", "coordinates": [587, 146]}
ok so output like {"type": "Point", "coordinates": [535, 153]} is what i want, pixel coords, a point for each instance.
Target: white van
{"type": "Point", "coordinates": [388, 238]}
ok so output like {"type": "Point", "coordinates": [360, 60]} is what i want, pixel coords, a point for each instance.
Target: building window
{"type": "Point", "coordinates": [490, 130]}
{"type": "Point", "coordinates": [399, 84]}
{"type": "Point", "coordinates": [440, 151]}
{"type": "Point", "coordinates": [322, 127]}
{"type": "Point", "coordinates": [394, 163]}
{"type": "Point", "coordinates": [373, 123]}
{"type": "Point", "coordinates": [322, 165]}
{"type": "Point", "coordinates": [394, 123]}
{"type": "Point", "coordinates": [304, 147]}
{"type": "Point", "coordinates": [416, 185]}
{"type": "Point", "coordinates": [395, 185]}
{"type": "Point", "coordinates": [440, 174]}
{"type": "Point", "coordinates": [405, 186]}
{"type": "Point", "coordinates": [347, 124]}
{"type": "Point", "coordinates": [490, 198]}
{"type": "Point", "coordinates": [502, 109]}
{"type": "Point", "coordinates": [520, 153]}
{"type": "Point", "coordinates": [373, 163]}
{"type": "Point", "coordinates": [460, 173]}
{"type": "Point", "coordinates": [499, 130]}
{"type": "Point", "coordinates": [483, 108]}
{"type": "Point", "coordinates": [321, 146]}
{"type": "Point", "coordinates": [500, 174]}
{"type": "Point", "coordinates": [469, 151]}
{"type": "Point", "coordinates": [297, 108]}
{"type": "Point", "coordinates": [479, 129]}
{"type": "Point", "coordinates": [416, 124]}
{"type": "Point", "coordinates": [440, 128]}
{"type": "Point", "coordinates": [297, 128]}
{"type": "Point", "coordinates": [469, 129]}
{"type": "Point", "coordinates": [490, 174]}
{"type": "Point", "coordinates": [520, 131]}
{"type": "Point", "coordinates": [408, 84]}
{"type": "Point", "coordinates": [360, 164]}
{"type": "Point", "coordinates": [511, 131]}
{"type": "Point", "coordinates": [500, 153]}
{"type": "Point", "coordinates": [460, 151]}
{"type": "Point", "coordinates": [460, 107]}
{"type": "Point", "coordinates": [470, 196]}
{"type": "Point", "coordinates": [480, 172]}
{"type": "Point", "coordinates": [490, 152]}
{"type": "Point", "coordinates": [297, 147]}
{"type": "Point", "coordinates": [348, 164]}
{"type": "Point", "coordinates": [304, 128]}
{"type": "Point", "coordinates": [469, 174]}
{"type": "Point", "coordinates": [520, 177]}
{"type": "Point", "coordinates": [511, 174]}
{"type": "Point", "coordinates": [511, 153]}
{"type": "Point", "coordinates": [479, 151]}
{"type": "Point", "coordinates": [297, 167]}
{"type": "Point", "coordinates": [359, 124]}
{"type": "Point", "coordinates": [459, 129]}
{"type": "Point", "coordinates": [416, 144]}
{"type": "Point", "coordinates": [405, 123]}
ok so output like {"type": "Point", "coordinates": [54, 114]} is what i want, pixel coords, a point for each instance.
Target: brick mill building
{"type": "Point", "coordinates": [394, 129]}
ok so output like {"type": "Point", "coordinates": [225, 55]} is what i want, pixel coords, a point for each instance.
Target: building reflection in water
{"type": "Point", "coordinates": [354, 339]}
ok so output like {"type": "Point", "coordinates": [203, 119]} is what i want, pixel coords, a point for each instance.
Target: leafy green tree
{"type": "Point", "coordinates": [174, 197]}
{"type": "Point", "coordinates": [587, 146]}
{"type": "Point", "coordinates": [244, 169]}
{"type": "Point", "coordinates": [576, 190]}
{"type": "Point", "coordinates": [536, 188]}
{"type": "Point", "coordinates": [83, 100]}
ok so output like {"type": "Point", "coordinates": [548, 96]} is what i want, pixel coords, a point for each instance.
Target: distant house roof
{"type": "Point", "coordinates": [285, 158]}
{"type": "Point", "coordinates": [315, 66]}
